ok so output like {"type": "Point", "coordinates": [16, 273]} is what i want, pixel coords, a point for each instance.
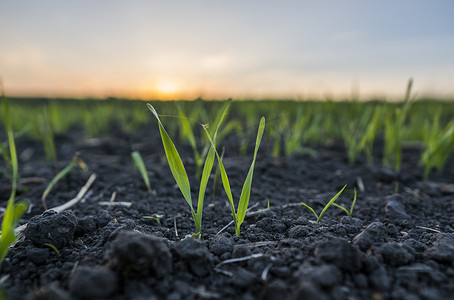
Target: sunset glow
{"type": "Point", "coordinates": [166, 90]}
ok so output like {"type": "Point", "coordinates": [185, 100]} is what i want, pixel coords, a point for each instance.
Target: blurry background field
{"type": "Point", "coordinates": [293, 127]}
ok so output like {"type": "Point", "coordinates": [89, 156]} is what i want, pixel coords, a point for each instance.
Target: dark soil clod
{"type": "Point", "coordinates": [93, 283]}
{"type": "Point", "coordinates": [340, 253]}
{"type": "Point", "coordinates": [52, 228]}
{"type": "Point", "coordinates": [136, 254]}
{"type": "Point", "coordinates": [195, 256]}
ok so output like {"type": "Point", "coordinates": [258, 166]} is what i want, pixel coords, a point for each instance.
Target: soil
{"type": "Point", "coordinates": [399, 243]}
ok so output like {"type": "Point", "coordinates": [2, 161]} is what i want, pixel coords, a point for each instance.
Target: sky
{"type": "Point", "coordinates": [220, 49]}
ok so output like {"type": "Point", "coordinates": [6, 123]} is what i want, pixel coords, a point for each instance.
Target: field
{"type": "Point", "coordinates": [122, 239]}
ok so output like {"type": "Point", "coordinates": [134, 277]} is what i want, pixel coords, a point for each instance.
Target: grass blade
{"type": "Point", "coordinates": [246, 191]}
{"type": "Point", "coordinates": [353, 203]}
{"type": "Point", "coordinates": [48, 137]}
{"type": "Point", "coordinates": [246, 186]}
{"type": "Point", "coordinates": [207, 168]}
{"type": "Point", "coordinates": [5, 154]}
{"type": "Point", "coordinates": [224, 179]}
{"type": "Point", "coordinates": [12, 215]}
{"type": "Point", "coordinates": [203, 184]}
{"type": "Point", "coordinates": [329, 203]}
{"type": "Point", "coordinates": [56, 179]}
{"type": "Point", "coordinates": [174, 160]}
{"type": "Point", "coordinates": [53, 248]}
{"type": "Point", "coordinates": [177, 167]}
{"type": "Point", "coordinates": [139, 164]}
{"type": "Point", "coordinates": [343, 208]}
{"type": "Point", "coordinates": [186, 130]}
{"type": "Point", "coordinates": [13, 211]}
{"type": "Point", "coordinates": [175, 163]}
{"type": "Point", "coordinates": [12, 147]}
{"type": "Point", "coordinates": [217, 178]}
{"type": "Point", "coordinates": [312, 210]}
{"type": "Point", "coordinates": [349, 213]}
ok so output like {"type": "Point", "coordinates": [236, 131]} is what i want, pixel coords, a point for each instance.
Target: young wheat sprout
{"type": "Point", "coordinates": [14, 211]}
{"type": "Point", "coordinates": [348, 212]}
{"type": "Point", "coordinates": [319, 217]}
{"type": "Point", "coordinates": [179, 172]}
{"type": "Point", "coordinates": [240, 213]}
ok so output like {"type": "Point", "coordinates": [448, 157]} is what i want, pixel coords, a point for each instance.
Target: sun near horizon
{"type": "Point", "coordinates": [166, 90]}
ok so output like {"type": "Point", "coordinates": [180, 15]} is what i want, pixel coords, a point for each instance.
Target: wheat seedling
{"type": "Point", "coordinates": [179, 172]}
{"type": "Point", "coordinates": [14, 211]}
{"type": "Point", "coordinates": [140, 166]}
{"type": "Point", "coordinates": [319, 217]}
{"type": "Point", "coordinates": [239, 213]}
{"type": "Point", "coordinates": [348, 212]}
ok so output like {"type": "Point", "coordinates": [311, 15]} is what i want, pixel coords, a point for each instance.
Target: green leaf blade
{"type": "Point", "coordinates": [353, 203]}
{"type": "Point", "coordinates": [312, 210]}
{"type": "Point", "coordinates": [174, 161]}
{"type": "Point", "coordinates": [224, 177]}
{"type": "Point", "coordinates": [140, 165]}
{"type": "Point", "coordinates": [246, 191]}
{"type": "Point", "coordinates": [176, 165]}
{"type": "Point", "coordinates": [343, 208]}
{"type": "Point", "coordinates": [207, 168]}
{"type": "Point", "coordinates": [57, 178]}
{"type": "Point", "coordinates": [331, 202]}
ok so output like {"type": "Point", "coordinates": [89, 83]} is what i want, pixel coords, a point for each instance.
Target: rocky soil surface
{"type": "Point", "coordinates": [399, 243]}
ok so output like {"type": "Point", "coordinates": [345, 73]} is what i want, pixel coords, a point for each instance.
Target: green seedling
{"type": "Point", "coordinates": [48, 137]}
{"type": "Point", "coordinates": [394, 132]}
{"type": "Point", "coordinates": [8, 126]}
{"type": "Point", "coordinates": [140, 166]}
{"type": "Point", "coordinates": [217, 178]}
{"type": "Point", "coordinates": [319, 217]}
{"type": "Point", "coordinates": [367, 141]}
{"type": "Point", "coordinates": [439, 144]}
{"type": "Point", "coordinates": [267, 207]}
{"type": "Point", "coordinates": [351, 141]}
{"type": "Point", "coordinates": [236, 127]}
{"type": "Point", "coordinates": [313, 134]}
{"type": "Point", "coordinates": [5, 152]}
{"type": "Point", "coordinates": [155, 217]}
{"type": "Point", "coordinates": [396, 188]}
{"type": "Point", "coordinates": [359, 126]}
{"type": "Point", "coordinates": [5, 156]}
{"type": "Point", "coordinates": [75, 162]}
{"type": "Point", "coordinates": [240, 213]}
{"type": "Point", "coordinates": [53, 248]}
{"type": "Point", "coordinates": [278, 134]}
{"type": "Point", "coordinates": [179, 172]}
{"type": "Point", "coordinates": [186, 131]}
{"type": "Point", "coordinates": [14, 211]}
{"type": "Point", "coordinates": [348, 212]}
{"type": "Point", "coordinates": [41, 129]}
{"type": "Point", "coordinates": [196, 110]}
{"type": "Point", "coordinates": [294, 138]}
